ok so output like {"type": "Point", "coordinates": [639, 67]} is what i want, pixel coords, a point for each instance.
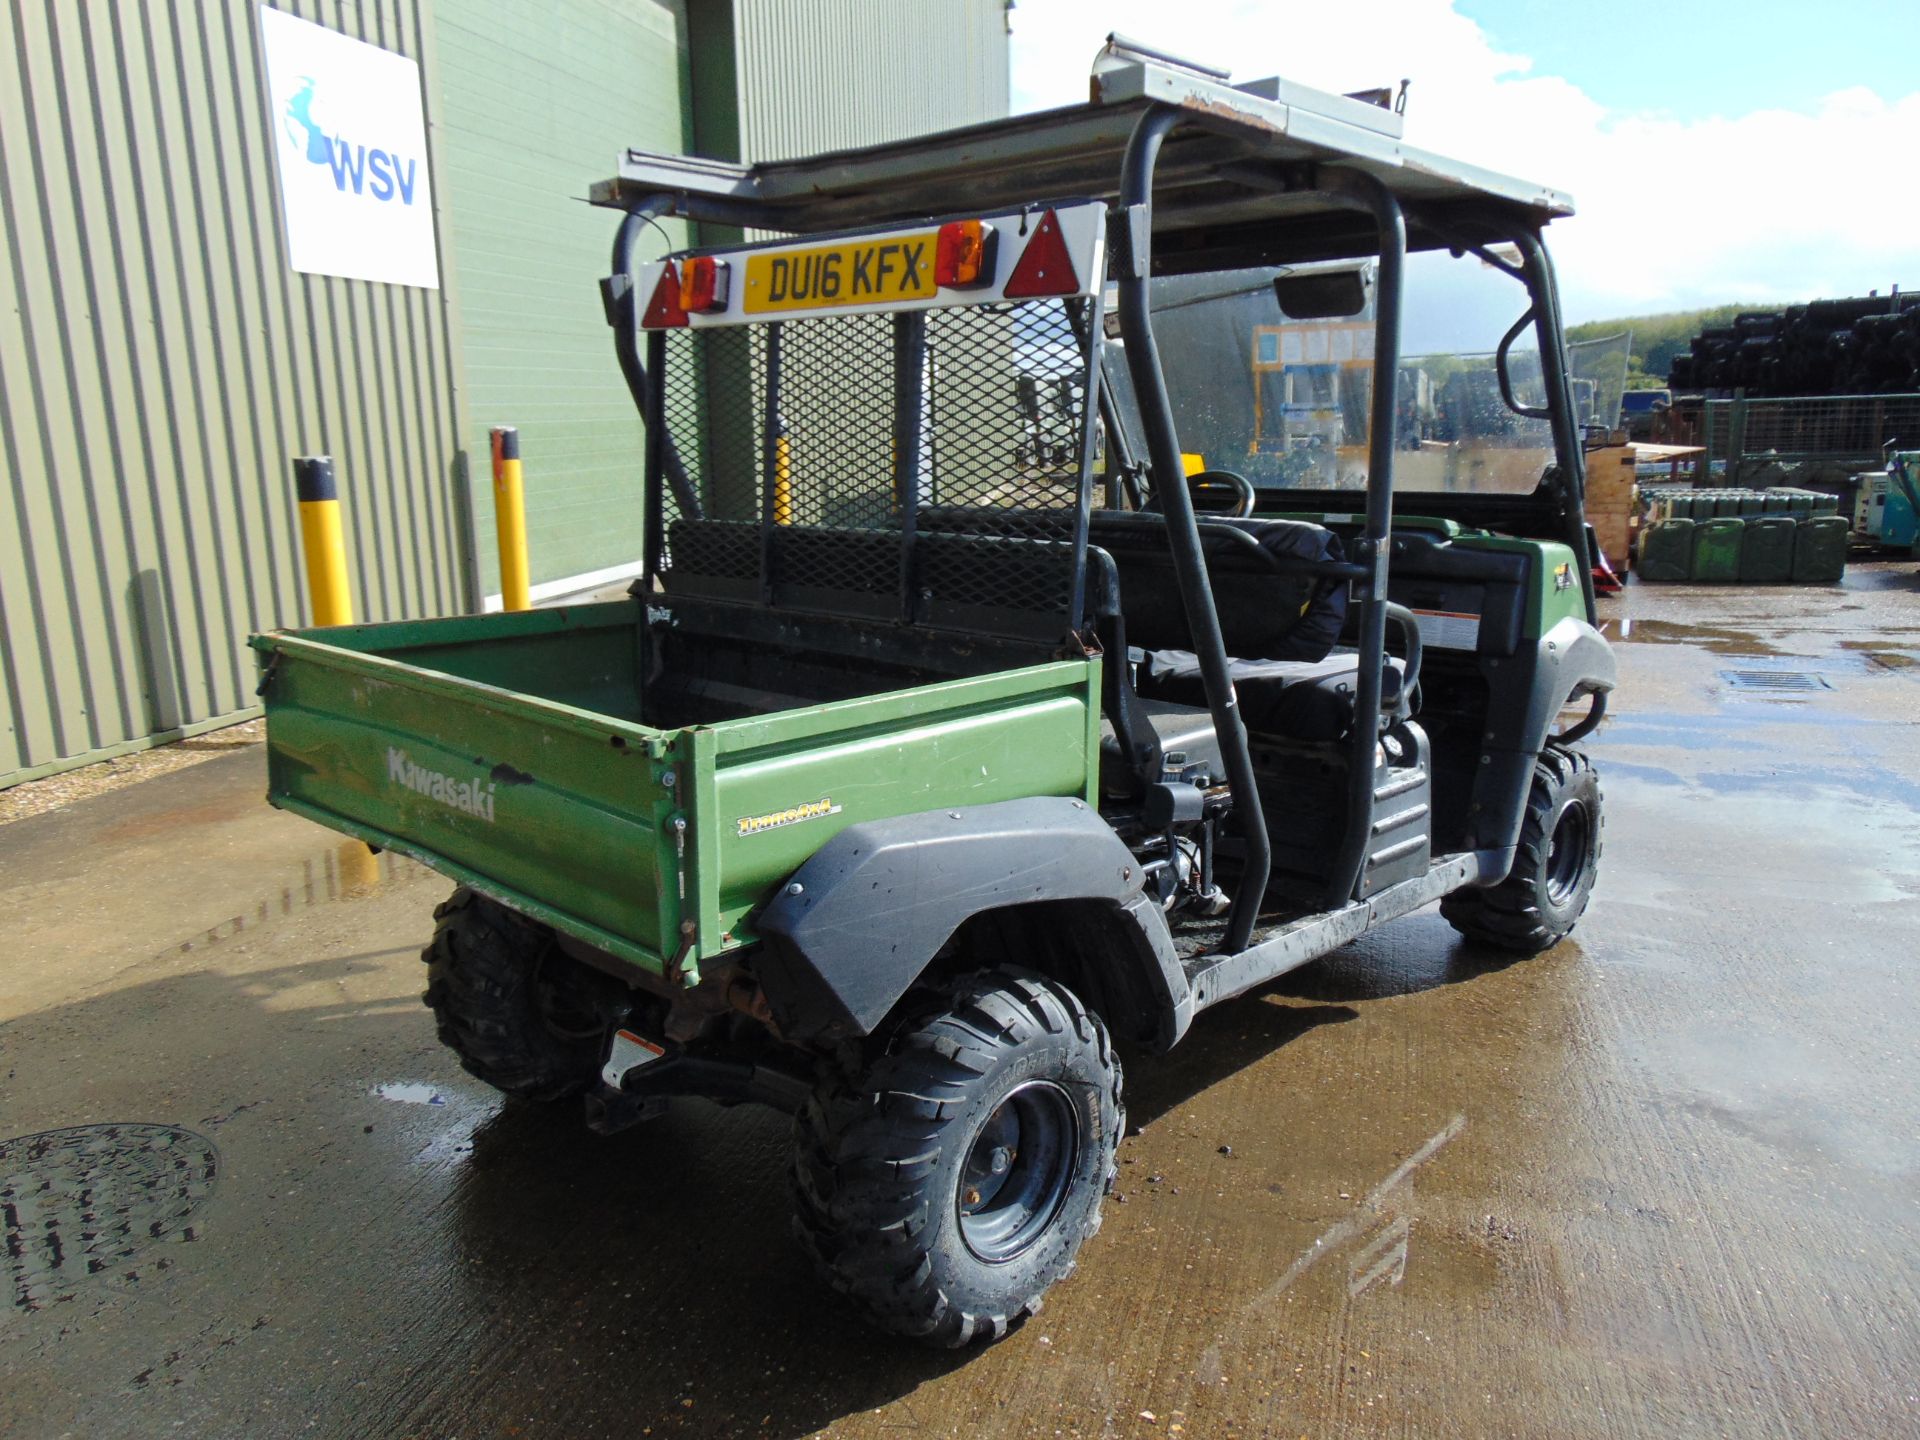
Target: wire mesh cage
{"type": "Point", "coordinates": [1853, 429]}
{"type": "Point", "coordinates": [922, 466]}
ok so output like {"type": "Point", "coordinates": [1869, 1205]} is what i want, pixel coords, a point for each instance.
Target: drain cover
{"type": "Point", "coordinates": [87, 1201]}
{"type": "Point", "coordinates": [1775, 682]}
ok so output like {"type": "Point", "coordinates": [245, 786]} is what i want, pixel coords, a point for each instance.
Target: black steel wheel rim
{"type": "Point", "coordinates": [1018, 1171]}
{"type": "Point", "coordinates": [1567, 853]}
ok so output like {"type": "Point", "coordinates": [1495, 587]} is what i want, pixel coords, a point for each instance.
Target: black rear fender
{"type": "Point", "coordinates": [862, 921]}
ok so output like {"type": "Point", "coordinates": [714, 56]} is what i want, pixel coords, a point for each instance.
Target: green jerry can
{"type": "Point", "coordinates": [1716, 550]}
{"type": "Point", "coordinates": [1752, 503]}
{"type": "Point", "coordinates": [1799, 503]}
{"type": "Point", "coordinates": [1726, 502]}
{"type": "Point", "coordinates": [1666, 551]}
{"type": "Point", "coordinates": [1820, 550]}
{"type": "Point", "coordinates": [1777, 503]}
{"type": "Point", "coordinates": [1766, 550]}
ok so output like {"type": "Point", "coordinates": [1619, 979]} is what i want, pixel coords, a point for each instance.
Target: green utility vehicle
{"type": "Point", "coordinates": [955, 735]}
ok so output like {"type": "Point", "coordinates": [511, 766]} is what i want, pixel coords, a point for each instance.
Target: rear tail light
{"type": "Point", "coordinates": [704, 284]}
{"type": "Point", "coordinates": [963, 254]}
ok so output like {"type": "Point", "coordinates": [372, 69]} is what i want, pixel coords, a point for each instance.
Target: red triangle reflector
{"type": "Point", "coordinates": [1044, 267]}
{"type": "Point", "coordinates": [664, 310]}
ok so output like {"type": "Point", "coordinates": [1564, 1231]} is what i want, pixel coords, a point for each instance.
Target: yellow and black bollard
{"type": "Point", "coordinates": [510, 519]}
{"type": "Point", "coordinates": [323, 540]}
{"type": "Point", "coordinates": [782, 474]}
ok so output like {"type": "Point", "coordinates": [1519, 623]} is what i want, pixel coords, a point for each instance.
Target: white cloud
{"type": "Point", "coordinates": [1771, 205]}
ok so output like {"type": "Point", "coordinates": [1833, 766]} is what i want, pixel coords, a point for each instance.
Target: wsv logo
{"type": "Point", "coordinates": [371, 172]}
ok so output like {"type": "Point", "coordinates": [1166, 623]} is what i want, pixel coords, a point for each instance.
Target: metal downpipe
{"type": "Point", "coordinates": [1374, 540]}
{"type": "Point", "coordinates": [1183, 533]}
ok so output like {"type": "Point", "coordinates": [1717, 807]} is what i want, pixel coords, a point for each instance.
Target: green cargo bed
{"type": "Point", "coordinates": [509, 752]}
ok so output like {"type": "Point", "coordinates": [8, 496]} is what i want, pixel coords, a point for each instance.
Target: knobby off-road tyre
{"type": "Point", "coordinates": [1554, 867]}
{"type": "Point", "coordinates": [945, 1181]}
{"type": "Point", "coordinates": [521, 1014]}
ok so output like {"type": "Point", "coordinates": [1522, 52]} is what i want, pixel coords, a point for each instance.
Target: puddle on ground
{"type": "Point", "coordinates": [1719, 639]}
{"type": "Point", "coordinates": [409, 1093]}
{"type": "Point", "coordinates": [347, 870]}
{"type": "Point", "coordinates": [1837, 837]}
{"type": "Point", "coordinates": [1876, 787]}
{"type": "Point", "coordinates": [1882, 655]}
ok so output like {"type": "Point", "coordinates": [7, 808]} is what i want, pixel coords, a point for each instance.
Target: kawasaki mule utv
{"type": "Point", "coordinates": [954, 732]}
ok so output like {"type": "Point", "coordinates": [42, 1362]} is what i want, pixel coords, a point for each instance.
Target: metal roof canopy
{"type": "Point", "coordinates": [1242, 159]}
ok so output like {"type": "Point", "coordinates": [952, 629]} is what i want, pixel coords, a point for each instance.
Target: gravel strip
{"type": "Point", "coordinates": [56, 792]}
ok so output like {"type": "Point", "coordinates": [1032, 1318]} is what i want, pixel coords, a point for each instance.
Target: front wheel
{"type": "Point", "coordinates": [945, 1183]}
{"type": "Point", "coordinates": [1554, 867]}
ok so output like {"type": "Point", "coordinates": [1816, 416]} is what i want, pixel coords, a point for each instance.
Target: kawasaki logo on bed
{"type": "Point", "coordinates": [469, 797]}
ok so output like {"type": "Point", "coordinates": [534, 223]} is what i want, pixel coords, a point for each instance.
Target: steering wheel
{"type": "Point", "coordinates": [1214, 480]}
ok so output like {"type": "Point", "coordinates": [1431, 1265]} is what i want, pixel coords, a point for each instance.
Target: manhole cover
{"type": "Point", "coordinates": [1775, 682]}
{"type": "Point", "coordinates": [86, 1201]}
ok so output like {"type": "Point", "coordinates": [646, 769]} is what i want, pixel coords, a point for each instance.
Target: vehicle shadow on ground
{"type": "Point", "coordinates": [662, 1258]}
{"type": "Point", "coordinates": [1416, 955]}
{"type": "Point", "coordinates": [1222, 1041]}
{"type": "Point", "coordinates": [527, 1275]}
{"type": "Point", "coordinates": [660, 1262]}
{"type": "Point", "coordinates": [526, 1271]}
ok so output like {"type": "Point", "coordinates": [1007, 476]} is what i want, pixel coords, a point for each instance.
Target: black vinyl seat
{"type": "Point", "coordinates": [1173, 738]}
{"type": "Point", "coordinates": [1299, 699]}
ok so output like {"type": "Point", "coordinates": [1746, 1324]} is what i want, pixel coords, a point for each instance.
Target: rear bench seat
{"type": "Point", "coordinates": [1300, 699]}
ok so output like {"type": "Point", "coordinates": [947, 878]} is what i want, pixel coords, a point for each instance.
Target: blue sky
{"type": "Point", "coordinates": [1762, 152]}
{"type": "Point", "coordinates": [1692, 60]}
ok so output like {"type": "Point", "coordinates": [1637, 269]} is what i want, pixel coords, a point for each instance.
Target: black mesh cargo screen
{"type": "Point", "coordinates": [923, 467]}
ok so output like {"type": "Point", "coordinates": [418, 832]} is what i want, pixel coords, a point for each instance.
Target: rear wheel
{"type": "Point", "coordinates": [1554, 867]}
{"type": "Point", "coordinates": [948, 1180]}
{"type": "Point", "coordinates": [521, 1013]}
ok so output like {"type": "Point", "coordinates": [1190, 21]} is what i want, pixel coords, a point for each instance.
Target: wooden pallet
{"type": "Point", "coordinates": [1611, 499]}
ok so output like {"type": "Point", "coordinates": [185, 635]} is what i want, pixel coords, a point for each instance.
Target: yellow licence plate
{"type": "Point", "coordinates": [861, 272]}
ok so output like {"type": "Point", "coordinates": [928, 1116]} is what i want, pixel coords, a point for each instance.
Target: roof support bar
{"type": "Point", "coordinates": [1183, 533]}
{"type": "Point", "coordinates": [1545, 291]}
{"type": "Point", "coordinates": [622, 305]}
{"type": "Point", "coordinates": [1371, 548]}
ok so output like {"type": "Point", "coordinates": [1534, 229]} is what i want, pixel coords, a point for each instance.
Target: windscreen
{"type": "Point", "coordinates": [1287, 402]}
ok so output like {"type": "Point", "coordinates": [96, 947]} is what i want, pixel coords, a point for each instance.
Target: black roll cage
{"type": "Point", "coordinates": [1463, 229]}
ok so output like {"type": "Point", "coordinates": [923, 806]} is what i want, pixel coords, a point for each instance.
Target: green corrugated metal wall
{"type": "Point", "coordinates": [159, 364]}
{"type": "Point", "coordinates": [839, 73]}
{"type": "Point", "coordinates": [536, 101]}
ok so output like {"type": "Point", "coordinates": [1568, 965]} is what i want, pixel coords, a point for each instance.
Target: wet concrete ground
{"type": "Point", "coordinates": [1658, 1182]}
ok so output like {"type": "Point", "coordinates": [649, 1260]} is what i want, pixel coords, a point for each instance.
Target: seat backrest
{"type": "Point", "coordinates": [1264, 614]}
{"type": "Point", "coordinates": [1016, 585]}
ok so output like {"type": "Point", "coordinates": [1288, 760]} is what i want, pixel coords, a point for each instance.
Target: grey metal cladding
{"type": "Point", "coordinates": [160, 365]}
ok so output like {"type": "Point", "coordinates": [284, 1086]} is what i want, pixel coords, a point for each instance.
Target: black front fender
{"type": "Point", "coordinates": [859, 922]}
{"type": "Point", "coordinates": [1571, 660]}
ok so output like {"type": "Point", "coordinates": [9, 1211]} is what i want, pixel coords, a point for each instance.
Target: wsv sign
{"type": "Point", "coordinates": [347, 122]}
{"type": "Point", "coordinates": [372, 172]}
